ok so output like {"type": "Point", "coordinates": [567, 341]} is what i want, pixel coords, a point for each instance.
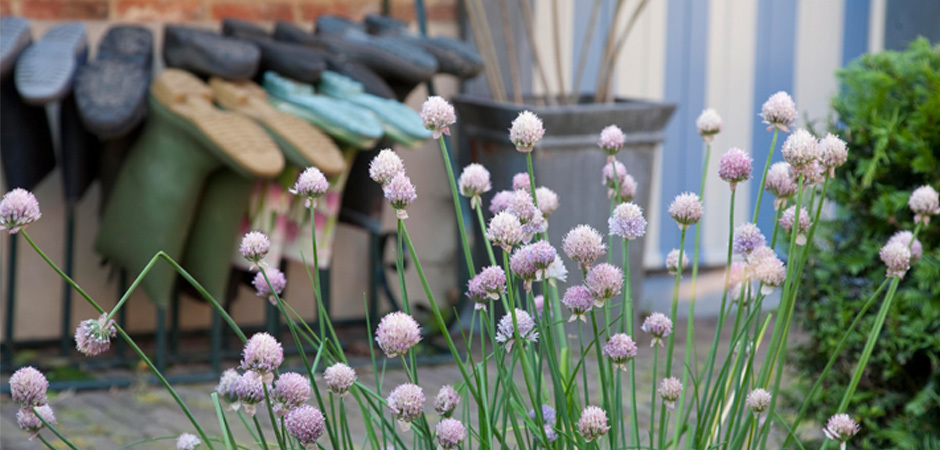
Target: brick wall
{"type": "Point", "coordinates": [202, 10]}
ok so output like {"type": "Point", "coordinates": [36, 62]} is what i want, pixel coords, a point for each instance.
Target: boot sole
{"type": "Point", "coordinates": [314, 147]}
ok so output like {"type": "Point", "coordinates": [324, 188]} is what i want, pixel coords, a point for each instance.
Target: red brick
{"type": "Point", "coordinates": [159, 10]}
{"type": "Point", "coordinates": [441, 12]}
{"type": "Point", "coordinates": [253, 11]}
{"type": "Point", "coordinates": [6, 7]}
{"type": "Point", "coordinates": [66, 9]}
{"type": "Point", "coordinates": [357, 12]}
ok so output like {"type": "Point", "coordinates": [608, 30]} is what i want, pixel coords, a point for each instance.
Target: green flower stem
{"type": "Point", "coordinates": [559, 331]}
{"type": "Point", "coordinates": [710, 362]}
{"type": "Point", "coordinates": [489, 246]}
{"type": "Point", "coordinates": [244, 423]}
{"type": "Point", "coordinates": [437, 314]}
{"type": "Point", "coordinates": [782, 327]}
{"type": "Point", "coordinates": [321, 311]}
{"type": "Point", "coordinates": [264, 443]}
{"type": "Point", "coordinates": [267, 403]}
{"type": "Point", "coordinates": [673, 313]}
{"type": "Point", "coordinates": [458, 210]}
{"type": "Point", "coordinates": [760, 191]}
{"type": "Point", "coordinates": [690, 325]}
{"type": "Point", "coordinates": [53, 430]}
{"type": "Point", "coordinates": [399, 268]}
{"type": "Point", "coordinates": [653, 393]}
{"type": "Point", "coordinates": [773, 239]}
{"type": "Point", "coordinates": [832, 359]}
{"type": "Point", "coordinates": [133, 286]}
{"type": "Point", "coordinates": [45, 442]}
{"type": "Point", "coordinates": [124, 336]}
{"type": "Point", "coordinates": [627, 327]}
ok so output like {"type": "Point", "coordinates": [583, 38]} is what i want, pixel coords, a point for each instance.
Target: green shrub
{"type": "Point", "coordinates": [889, 114]}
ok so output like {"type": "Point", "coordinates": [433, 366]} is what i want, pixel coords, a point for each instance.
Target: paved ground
{"type": "Point", "coordinates": [110, 419]}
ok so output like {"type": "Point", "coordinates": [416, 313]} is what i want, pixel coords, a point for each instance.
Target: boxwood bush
{"type": "Point", "coordinates": [888, 111]}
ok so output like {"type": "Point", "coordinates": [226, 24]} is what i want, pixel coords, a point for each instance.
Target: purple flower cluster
{"type": "Point", "coordinates": [579, 300]}
{"type": "Point", "coordinates": [438, 115]}
{"type": "Point", "coordinates": [93, 336]}
{"type": "Point", "coordinates": [659, 326]}
{"type": "Point", "coordinates": [779, 111]}
{"type": "Point", "coordinates": [686, 209]}
{"type": "Point", "coordinates": [397, 333]}
{"type": "Point", "coordinates": [262, 354]}
{"type": "Point", "coordinates": [735, 166]}
{"type": "Point", "coordinates": [446, 400]}
{"type": "Point", "coordinates": [278, 282]}
{"type": "Point", "coordinates": [604, 281]}
{"type": "Point", "coordinates": [526, 131]}
{"type": "Point", "coordinates": [487, 285]}
{"type": "Point", "coordinates": [400, 193]}
{"type": "Point", "coordinates": [311, 185]}
{"type": "Point", "coordinates": [306, 424]}
{"type": "Point", "coordinates": [505, 332]}
{"type": "Point", "coordinates": [593, 423]}
{"type": "Point", "coordinates": [583, 244]}
{"type": "Point", "coordinates": [18, 208]}
{"type": "Point", "coordinates": [627, 221]}
{"type": "Point", "coordinates": [611, 140]}
{"type": "Point", "coordinates": [620, 348]}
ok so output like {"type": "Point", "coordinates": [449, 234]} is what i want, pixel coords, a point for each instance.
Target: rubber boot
{"type": "Point", "coordinates": [215, 232]}
{"type": "Point", "coordinates": [157, 192]}
{"type": "Point", "coordinates": [26, 140]}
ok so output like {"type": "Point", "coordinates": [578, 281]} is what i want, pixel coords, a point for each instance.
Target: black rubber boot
{"type": "Point", "coordinates": [46, 69]}
{"type": "Point", "coordinates": [454, 57]}
{"type": "Point", "coordinates": [25, 138]}
{"type": "Point", "coordinates": [292, 61]}
{"type": "Point", "coordinates": [207, 54]}
{"type": "Point", "coordinates": [80, 151]}
{"type": "Point", "coordinates": [14, 38]}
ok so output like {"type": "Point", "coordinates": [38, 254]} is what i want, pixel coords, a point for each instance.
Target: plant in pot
{"type": "Point", "coordinates": [573, 118]}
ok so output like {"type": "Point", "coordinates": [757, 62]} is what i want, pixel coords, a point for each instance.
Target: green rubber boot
{"type": "Point", "coordinates": [157, 193]}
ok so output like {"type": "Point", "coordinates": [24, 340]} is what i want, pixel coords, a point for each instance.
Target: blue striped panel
{"type": "Point", "coordinates": [774, 61]}
{"type": "Point", "coordinates": [686, 70]}
{"type": "Point", "coordinates": [855, 29]}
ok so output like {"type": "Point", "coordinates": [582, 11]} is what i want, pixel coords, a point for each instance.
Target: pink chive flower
{"type": "Point", "coordinates": [904, 237]}
{"type": "Point", "coordinates": [593, 423]}
{"type": "Point", "coordinates": [500, 201]}
{"type": "Point", "coordinates": [737, 275]}
{"type": "Point", "coordinates": [627, 189]}
{"type": "Point", "coordinates": [474, 181]}
{"type": "Point", "coordinates": [532, 261]}
{"type": "Point", "coordinates": [311, 185]}
{"type": "Point", "coordinates": [290, 391]}
{"type": "Point", "coordinates": [400, 193]}
{"type": "Point", "coordinates": [446, 400]}
{"type": "Point", "coordinates": [306, 424]}
{"type": "Point", "coordinates": [770, 271]}
{"type": "Point", "coordinates": [486, 286]}
{"type": "Point", "coordinates": [841, 428]}
{"type": "Point", "coordinates": [758, 400]}
{"type": "Point", "coordinates": [187, 441]}
{"type": "Point", "coordinates": [583, 244]}
{"type": "Point", "coordinates": [505, 331]}
{"type": "Point", "coordinates": [659, 326]}
{"type": "Point", "coordinates": [670, 389]}
{"type": "Point", "coordinates": [620, 348]}
{"type": "Point", "coordinates": [339, 378]}
{"type": "Point", "coordinates": [735, 166]}
{"type": "Point", "coordinates": [787, 219]}
{"type": "Point", "coordinates": [708, 124]}
{"type": "Point", "coordinates": [438, 115]}
{"type": "Point", "coordinates": [897, 257]}
{"type": "Point", "coordinates": [611, 140]}
{"type": "Point", "coordinates": [29, 422]}
{"type": "Point", "coordinates": [384, 167]}
{"type": "Point", "coordinates": [250, 389]}
{"type": "Point", "coordinates": [278, 282]}
{"type": "Point", "coordinates": [254, 248]}
{"type": "Point", "coordinates": [924, 202]}
{"type": "Point", "coordinates": [779, 112]}
{"type": "Point", "coordinates": [672, 261]}
{"type": "Point", "coordinates": [526, 131]}
{"type": "Point", "coordinates": [397, 333]}
{"type": "Point", "coordinates": [521, 264]}
{"type": "Point", "coordinates": [578, 300]}
{"type": "Point", "coordinates": [407, 404]}
{"type": "Point", "coordinates": [450, 433]}
{"type": "Point", "coordinates": [505, 231]}
{"type": "Point", "coordinates": [832, 153]}
{"type": "Point", "coordinates": [521, 181]}
{"type": "Point", "coordinates": [547, 201]}
{"type": "Point", "coordinates": [93, 336]}
{"type": "Point", "coordinates": [18, 208]}
{"type": "Point", "coordinates": [539, 302]}
{"type": "Point", "coordinates": [262, 354]}
{"type": "Point", "coordinates": [686, 209]}
{"type": "Point", "coordinates": [800, 149]}
{"type": "Point", "coordinates": [780, 183]}
{"type": "Point", "coordinates": [523, 207]}
{"type": "Point", "coordinates": [228, 385]}
{"type": "Point", "coordinates": [627, 221]}
{"type": "Point", "coordinates": [28, 387]}
{"type": "Point", "coordinates": [604, 281]}
{"type": "Point", "coordinates": [747, 237]}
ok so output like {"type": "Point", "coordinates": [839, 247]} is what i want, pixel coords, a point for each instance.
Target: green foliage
{"type": "Point", "coordinates": [889, 112]}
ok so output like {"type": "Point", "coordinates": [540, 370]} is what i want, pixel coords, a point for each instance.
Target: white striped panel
{"type": "Point", "coordinates": [546, 33]}
{"type": "Point", "coordinates": [876, 26]}
{"type": "Point", "coordinates": [818, 55]}
{"type": "Point", "coordinates": [732, 40]}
